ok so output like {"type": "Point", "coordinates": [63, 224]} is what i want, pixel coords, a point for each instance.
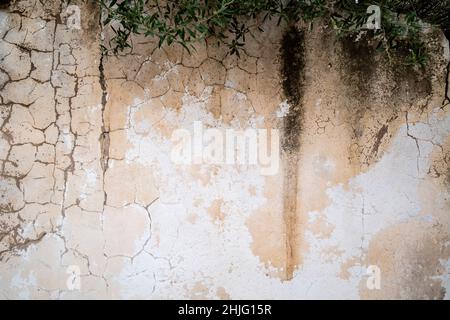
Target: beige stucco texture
{"type": "Point", "coordinates": [93, 205]}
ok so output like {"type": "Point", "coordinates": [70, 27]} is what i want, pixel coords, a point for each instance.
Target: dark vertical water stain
{"type": "Point", "coordinates": [447, 74]}
{"type": "Point", "coordinates": [292, 54]}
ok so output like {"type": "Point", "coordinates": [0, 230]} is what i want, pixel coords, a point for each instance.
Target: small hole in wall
{"type": "Point", "coordinates": [4, 4]}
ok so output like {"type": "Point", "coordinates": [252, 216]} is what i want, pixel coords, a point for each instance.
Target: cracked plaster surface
{"type": "Point", "coordinates": [87, 179]}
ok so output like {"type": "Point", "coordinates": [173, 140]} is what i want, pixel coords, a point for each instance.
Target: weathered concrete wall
{"type": "Point", "coordinates": [88, 183]}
